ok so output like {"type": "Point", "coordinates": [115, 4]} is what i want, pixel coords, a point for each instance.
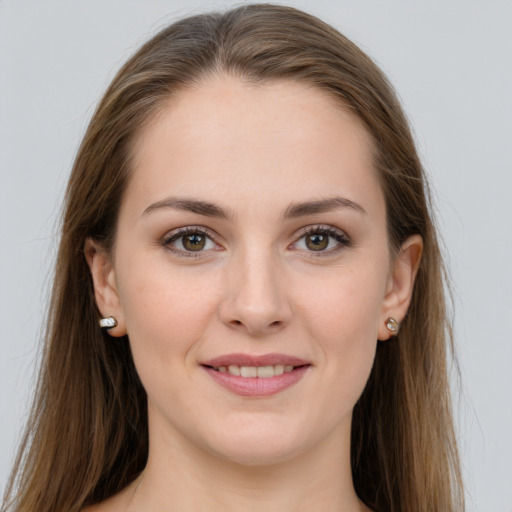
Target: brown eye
{"type": "Point", "coordinates": [194, 242]}
{"type": "Point", "coordinates": [189, 241]}
{"type": "Point", "coordinates": [322, 240]}
{"type": "Point", "coordinates": [317, 241]}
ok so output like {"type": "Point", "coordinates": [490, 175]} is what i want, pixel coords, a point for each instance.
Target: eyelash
{"type": "Point", "coordinates": [341, 238]}
{"type": "Point", "coordinates": [180, 233]}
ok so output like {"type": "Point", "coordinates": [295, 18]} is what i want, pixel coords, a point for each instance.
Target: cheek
{"type": "Point", "coordinates": [166, 313]}
{"type": "Point", "coordinates": [346, 304]}
{"type": "Point", "coordinates": [343, 318]}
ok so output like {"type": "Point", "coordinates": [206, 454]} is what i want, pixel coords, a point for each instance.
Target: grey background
{"type": "Point", "coordinates": [451, 64]}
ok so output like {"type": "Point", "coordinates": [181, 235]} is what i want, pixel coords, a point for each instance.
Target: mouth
{"type": "Point", "coordinates": [260, 372]}
{"type": "Point", "coordinates": [256, 376]}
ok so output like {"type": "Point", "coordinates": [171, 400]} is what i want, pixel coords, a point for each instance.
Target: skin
{"type": "Point", "coordinates": [256, 288]}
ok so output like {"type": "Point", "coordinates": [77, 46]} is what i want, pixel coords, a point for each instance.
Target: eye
{"type": "Point", "coordinates": [189, 240]}
{"type": "Point", "coordinates": [322, 239]}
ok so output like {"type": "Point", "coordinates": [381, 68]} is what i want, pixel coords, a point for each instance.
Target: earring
{"type": "Point", "coordinates": [108, 322]}
{"type": "Point", "coordinates": [392, 325]}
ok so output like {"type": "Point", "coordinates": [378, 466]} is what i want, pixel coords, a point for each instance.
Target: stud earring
{"type": "Point", "coordinates": [108, 322]}
{"type": "Point", "coordinates": [392, 325]}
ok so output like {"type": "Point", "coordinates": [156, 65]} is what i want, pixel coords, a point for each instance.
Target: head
{"type": "Point", "coordinates": [261, 53]}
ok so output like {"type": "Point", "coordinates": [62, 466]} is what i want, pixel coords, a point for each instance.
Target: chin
{"type": "Point", "coordinates": [261, 445]}
{"type": "Point", "coordinates": [257, 455]}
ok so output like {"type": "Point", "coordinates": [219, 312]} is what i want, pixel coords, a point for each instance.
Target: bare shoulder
{"type": "Point", "coordinates": [105, 506]}
{"type": "Point", "coordinates": [117, 503]}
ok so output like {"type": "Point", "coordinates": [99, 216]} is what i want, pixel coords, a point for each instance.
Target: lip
{"type": "Point", "coordinates": [255, 360]}
{"type": "Point", "coordinates": [254, 386]}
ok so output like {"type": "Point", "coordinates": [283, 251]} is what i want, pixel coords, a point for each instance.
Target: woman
{"type": "Point", "coordinates": [248, 309]}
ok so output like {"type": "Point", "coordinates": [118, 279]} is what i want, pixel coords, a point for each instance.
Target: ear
{"type": "Point", "coordinates": [400, 283]}
{"type": "Point", "coordinates": [105, 288]}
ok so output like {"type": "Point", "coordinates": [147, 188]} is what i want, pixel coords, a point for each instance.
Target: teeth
{"type": "Point", "coordinates": [234, 370]}
{"type": "Point", "coordinates": [248, 371]}
{"type": "Point", "coordinates": [263, 372]}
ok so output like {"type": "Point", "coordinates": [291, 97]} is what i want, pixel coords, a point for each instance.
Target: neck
{"type": "Point", "coordinates": [181, 476]}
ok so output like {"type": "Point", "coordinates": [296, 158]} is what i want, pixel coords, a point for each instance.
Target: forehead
{"type": "Point", "coordinates": [276, 141]}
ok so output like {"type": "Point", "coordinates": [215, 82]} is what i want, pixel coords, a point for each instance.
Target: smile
{"type": "Point", "coordinates": [262, 372]}
{"type": "Point", "coordinates": [256, 376]}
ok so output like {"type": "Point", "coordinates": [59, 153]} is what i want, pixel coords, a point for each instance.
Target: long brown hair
{"type": "Point", "coordinates": [87, 436]}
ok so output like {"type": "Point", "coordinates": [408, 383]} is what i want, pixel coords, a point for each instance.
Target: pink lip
{"type": "Point", "coordinates": [255, 386]}
{"type": "Point", "coordinates": [249, 360]}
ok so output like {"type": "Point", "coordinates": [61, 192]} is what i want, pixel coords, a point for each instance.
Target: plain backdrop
{"type": "Point", "coordinates": [451, 64]}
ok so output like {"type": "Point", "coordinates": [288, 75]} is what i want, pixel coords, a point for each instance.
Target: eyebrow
{"type": "Point", "coordinates": [293, 211]}
{"type": "Point", "coordinates": [190, 205]}
{"type": "Point", "coordinates": [321, 206]}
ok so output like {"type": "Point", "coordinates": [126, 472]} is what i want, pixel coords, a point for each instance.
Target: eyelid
{"type": "Point", "coordinates": [343, 240]}
{"type": "Point", "coordinates": [177, 233]}
{"type": "Point", "coordinates": [341, 237]}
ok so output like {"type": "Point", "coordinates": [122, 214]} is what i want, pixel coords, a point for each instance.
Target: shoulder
{"type": "Point", "coordinates": [105, 506]}
{"type": "Point", "coordinates": [117, 503]}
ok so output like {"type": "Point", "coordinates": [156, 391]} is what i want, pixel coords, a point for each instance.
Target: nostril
{"type": "Point", "coordinates": [276, 323]}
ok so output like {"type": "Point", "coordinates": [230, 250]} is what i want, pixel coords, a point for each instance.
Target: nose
{"type": "Point", "coordinates": [255, 300]}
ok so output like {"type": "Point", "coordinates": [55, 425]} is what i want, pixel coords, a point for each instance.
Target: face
{"type": "Point", "coordinates": [252, 239]}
